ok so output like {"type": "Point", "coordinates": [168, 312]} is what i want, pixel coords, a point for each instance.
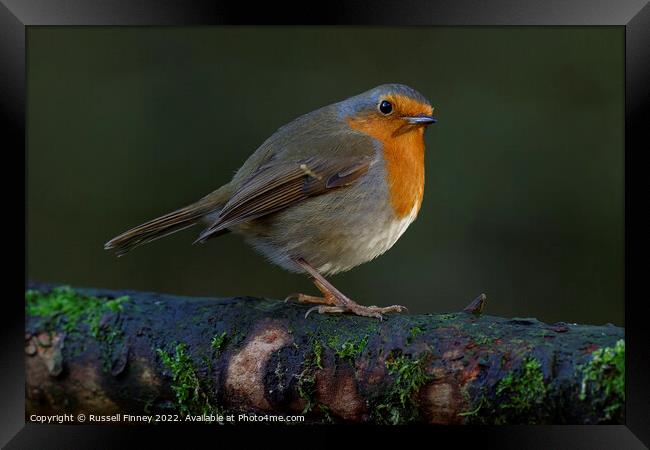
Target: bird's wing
{"type": "Point", "coordinates": [279, 184]}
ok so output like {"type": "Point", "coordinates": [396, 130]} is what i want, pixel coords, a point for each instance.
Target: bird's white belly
{"type": "Point", "coordinates": [372, 241]}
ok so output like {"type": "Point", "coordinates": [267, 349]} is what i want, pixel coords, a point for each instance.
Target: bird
{"type": "Point", "coordinates": [328, 191]}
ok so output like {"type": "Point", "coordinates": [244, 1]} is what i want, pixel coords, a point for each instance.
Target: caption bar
{"type": "Point", "coordinates": [162, 418]}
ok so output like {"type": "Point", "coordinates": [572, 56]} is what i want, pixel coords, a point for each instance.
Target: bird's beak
{"type": "Point", "coordinates": [421, 119]}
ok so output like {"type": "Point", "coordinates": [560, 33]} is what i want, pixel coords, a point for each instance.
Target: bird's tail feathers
{"type": "Point", "coordinates": [162, 226]}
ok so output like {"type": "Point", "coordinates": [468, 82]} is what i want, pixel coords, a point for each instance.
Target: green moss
{"type": "Point", "coordinates": [108, 339]}
{"type": "Point", "coordinates": [318, 353]}
{"type": "Point", "coordinates": [400, 405]}
{"type": "Point", "coordinates": [307, 378]}
{"type": "Point", "coordinates": [326, 412]}
{"type": "Point", "coordinates": [484, 340]}
{"type": "Point", "coordinates": [474, 412]}
{"type": "Point", "coordinates": [413, 332]}
{"type": "Point", "coordinates": [347, 349]}
{"type": "Point", "coordinates": [603, 381]}
{"type": "Point", "coordinates": [218, 340]}
{"type": "Point", "coordinates": [65, 308]}
{"type": "Point", "coordinates": [192, 397]}
{"type": "Point", "coordinates": [307, 388]}
{"type": "Point", "coordinates": [519, 397]}
{"type": "Point", "coordinates": [522, 393]}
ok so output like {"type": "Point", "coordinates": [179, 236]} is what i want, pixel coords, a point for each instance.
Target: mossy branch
{"type": "Point", "coordinates": [106, 352]}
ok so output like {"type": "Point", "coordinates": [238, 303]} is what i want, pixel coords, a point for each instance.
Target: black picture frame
{"type": "Point", "coordinates": [633, 15]}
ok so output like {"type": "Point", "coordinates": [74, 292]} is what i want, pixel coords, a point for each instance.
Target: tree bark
{"type": "Point", "coordinates": [102, 352]}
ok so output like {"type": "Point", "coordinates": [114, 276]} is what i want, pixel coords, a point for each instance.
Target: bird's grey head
{"type": "Point", "coordinates": [392, 101]}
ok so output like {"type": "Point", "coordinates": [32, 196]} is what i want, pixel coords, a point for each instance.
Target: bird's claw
{"type": "Point", "coordinates": [325, 309]}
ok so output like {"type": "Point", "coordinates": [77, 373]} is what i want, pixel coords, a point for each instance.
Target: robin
{"type": "Point", "coordinates": [326, 192]}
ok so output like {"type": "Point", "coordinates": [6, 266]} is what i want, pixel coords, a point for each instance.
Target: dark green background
{"type": "Point", "coordinates": [524, 177]}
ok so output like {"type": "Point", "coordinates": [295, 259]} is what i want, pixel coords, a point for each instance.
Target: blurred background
{"type": "Point", "coordinates": [524, 170]}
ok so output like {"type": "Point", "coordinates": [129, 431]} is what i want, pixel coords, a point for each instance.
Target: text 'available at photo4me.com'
{"type": "Point", "coordinates": [166, 418]}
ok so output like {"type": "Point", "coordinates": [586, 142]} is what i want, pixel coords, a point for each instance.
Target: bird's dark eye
{"type": "Point", "coordinates": [385, 107]}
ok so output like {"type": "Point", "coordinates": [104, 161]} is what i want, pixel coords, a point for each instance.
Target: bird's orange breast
{"type": "Point", "coordinates": [404, 156]}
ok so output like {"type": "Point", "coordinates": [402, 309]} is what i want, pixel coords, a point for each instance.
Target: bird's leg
{"type": "Point", "coordinates": [327, 299]}
{"type": "Point", "coordinates": [333, 296]}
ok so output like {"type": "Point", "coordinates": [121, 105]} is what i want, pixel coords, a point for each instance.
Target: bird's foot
{"type": "Point", "coordinates": [330, 304]}
{"type": "Point", "coordinates": [334, 301]}
{"type": "Point", "coordinates": [351, 307]}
